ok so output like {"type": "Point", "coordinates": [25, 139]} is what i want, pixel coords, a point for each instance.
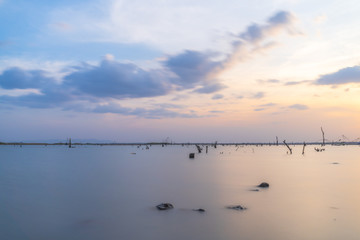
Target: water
{"type": "Point", "coordinates": [93, 192]}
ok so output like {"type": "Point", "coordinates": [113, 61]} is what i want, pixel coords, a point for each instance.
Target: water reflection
{"type": "Point", "coordinates": [111, 193]}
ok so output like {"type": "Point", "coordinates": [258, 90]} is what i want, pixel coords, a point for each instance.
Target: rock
{"type": "Point", "coordinates": [199, 210]}
{"type": "Point", "coordinates": [264, 185]}
{"type": "Point", "coordinates": [192, 155]}
{"type": "Point", "coordinates": [254, 190]}
{"type": "Point", "coordinates": [165, 206]}
{"type": "Point", "coordinates": [237, 207]}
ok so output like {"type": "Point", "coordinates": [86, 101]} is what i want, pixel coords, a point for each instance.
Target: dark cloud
{"type": "Point", "coordinates": [17, 78]}
{"type": "Point", "coordinates": [192, 68]}
{"type": "Point", "coordinates": [118, 80]}
{"type": "Point", "coordinates": [259, 109]}
{"type": "Point", "coordinates": [48, 98]}
{"type": "Point", "coordinates": [211, 88]}
{"type": "Point", "coordinates": [256, 33]}
{"type": "Point", "coordinates": [343, 76]}
{"type": "Point", "coordinates": [299, 107]}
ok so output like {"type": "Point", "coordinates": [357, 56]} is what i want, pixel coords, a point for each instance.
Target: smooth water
{"type": "Point", "coordinates": [94, 192]}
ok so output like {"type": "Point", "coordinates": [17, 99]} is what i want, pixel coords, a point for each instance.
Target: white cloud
{"type": "Point", "coordinates": [168, 25]}
{"type": "Point", "coordinates": [320, 19]}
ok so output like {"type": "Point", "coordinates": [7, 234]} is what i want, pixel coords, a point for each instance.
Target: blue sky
{"type": "Point", "coordinates": [193, 71]}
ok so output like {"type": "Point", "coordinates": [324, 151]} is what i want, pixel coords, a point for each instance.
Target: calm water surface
{"type": "Point", "coordinates": [93, 192]}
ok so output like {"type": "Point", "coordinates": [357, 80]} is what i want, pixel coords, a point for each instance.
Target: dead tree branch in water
{"type": "Point", "coordinates": [323, 136]}
{"type": "Point", "coordinates": [303, 151]}
{"type": "Point", "coordinates": [287, 147]}
{"type": "Point", "coordinates": [199, 148]}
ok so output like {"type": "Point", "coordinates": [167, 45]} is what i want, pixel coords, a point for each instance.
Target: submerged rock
{"type": "Point", "coordinates": [236, 207]}
{"type": "Point", "coordinates": [199, 210]}
{"type": "Point", "coordinates": [264, 185]}
{"type": "Point", "coordinates": [191, 155]}
{"type": "Point", "coordinates": [254, 190]}
{"type": "Point", "coordinates": [165, 206]}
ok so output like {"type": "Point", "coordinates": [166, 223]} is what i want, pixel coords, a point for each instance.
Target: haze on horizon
{"type": "Point", "coordinates": [137, 71]}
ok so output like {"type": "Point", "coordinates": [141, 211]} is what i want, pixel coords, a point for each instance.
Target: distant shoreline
{"type": "Point", "coordinates": [169, 144]}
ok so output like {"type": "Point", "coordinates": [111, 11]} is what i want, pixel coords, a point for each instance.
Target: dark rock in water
{"type": "Point", "coordinates": [165, 206]}
{"type": "Point", "coordinates": [335, 163]}
{"type": "Point", "coordinates": [199, 210]}
{"type": "Point", "coordinates": [237, 207]}
{"type": "Point", "coordinates": [192, 155]}
{"type": "Point", "coordinates": [254, 190]}
{"type": "Point", "coordinates": [264, 185]}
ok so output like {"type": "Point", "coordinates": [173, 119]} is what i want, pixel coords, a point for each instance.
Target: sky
{"type": "Point", "coordinates": [184, 71]}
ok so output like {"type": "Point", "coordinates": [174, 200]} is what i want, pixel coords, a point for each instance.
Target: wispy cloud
{"type": "Point", "coordinates": [292, 83]}
{"type": "Point", "coordinates": [217, 96]}
{"type": "Point", "coordinates": [268, 105]}
{"type": "Point", "coordinates": [258, 95]}
{"type": "Point", "coordinates": [254, 37]}
{"type": "Point", "coordinates": [153, 113]}
{"type": "Point", "coordinates": [299, 106]}
{"type": "Point", "coordinates": [211, 88]}
{"type": "Point", "coordinates": [268, 81]}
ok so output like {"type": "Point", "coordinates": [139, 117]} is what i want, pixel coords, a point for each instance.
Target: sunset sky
{"type": "Point", "coordinates": [188, 71]}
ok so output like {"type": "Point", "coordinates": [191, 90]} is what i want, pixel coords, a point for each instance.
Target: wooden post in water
{"type": "Point", "coordinates": [69, 142]}
{"type": "Point", "coordinates": [323, 135]}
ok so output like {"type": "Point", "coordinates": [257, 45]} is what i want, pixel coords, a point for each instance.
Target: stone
{"type": "Point", "coordinates": [192, 155]}
{"type": "Point", "coordinates": [237, 207]}
{"type": "Point", "coordinates": [199, 210]}
{"type": "Point", "coordinates": [165, 206]}
{"type": "Point", "coordinates": [264, 185]}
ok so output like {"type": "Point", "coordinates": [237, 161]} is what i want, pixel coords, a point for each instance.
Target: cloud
{"type": "Point", "coordinates": [256, 33]}
{"type": "Point", "coordinates": [17, 78]}
{"type": "Point", "coordinates": [258, 95]}
{"type": "Point", "coordinates": [118, 80]}
{"type": "Point", "coordinates": [320, 19]}
{"type": "Point", "coordinates": [253, 40]}
{"type": "Point", "coordinates": [198, 71]}
{"type": "Point", "coordinates": [211, 88]}
{"type": "Point", "coordinates": [259, 109]}
{"type": "Point", "coordinates": [154, 113]}
{"type": "Point", "coordinates": [192, 68]}
{"type": "Point", "coordinates": [269, 81]}
{"type": "Point", "coordinates": [49, 98]}
{"type": "Point", "coordinates": [268, 105]}
{"type": "Point", "coordinates": [299, 107]}
{"type": "Point", "coordinates": [217, 96]}
{"type": "Point", "coordinates": [342, 76]}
